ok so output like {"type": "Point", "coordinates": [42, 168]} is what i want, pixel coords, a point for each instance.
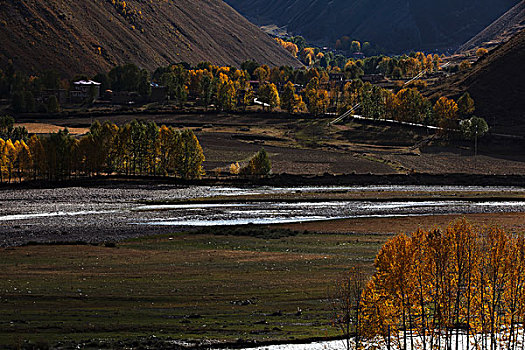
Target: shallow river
{"type": "Point", "coordinates": [94, 213]}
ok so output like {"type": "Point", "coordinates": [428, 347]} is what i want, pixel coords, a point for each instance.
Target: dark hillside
{"type": "Point", "coordinates": [504, 27]}
{"type": "Point", "coordinates": [396, 25]}
{"type": "Point", "coordinates": [497, 84]}
{"type": "Point", "coordinates": [87, 36]}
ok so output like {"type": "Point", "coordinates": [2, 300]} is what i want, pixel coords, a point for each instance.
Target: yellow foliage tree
{"type": "Point", "coordinates": [446, 113]}
{"type": "Point", "coordinates": [432, 287]}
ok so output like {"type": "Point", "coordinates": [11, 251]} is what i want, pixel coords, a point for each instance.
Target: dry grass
{"type": "Point", "coordinates": [43, 128]}
{"type": "Point", "coordinates": [511, 222]}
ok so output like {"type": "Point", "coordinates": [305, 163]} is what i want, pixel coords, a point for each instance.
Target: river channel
{"type": "Point", "coordinates": [107, 214]}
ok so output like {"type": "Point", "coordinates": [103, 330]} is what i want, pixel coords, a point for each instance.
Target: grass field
{"type": "Point", "coordinates": [184, 286]}
{"type": "Point", "coordinates": [271, 284]}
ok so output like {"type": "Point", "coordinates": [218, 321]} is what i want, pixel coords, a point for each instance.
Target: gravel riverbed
{"type": "Point", "coordinates": [110, 214]}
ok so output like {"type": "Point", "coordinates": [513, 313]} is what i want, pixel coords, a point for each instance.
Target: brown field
{"type": "Point", "coordinates": [43, 128]}
{"type": "Point", "coordinates": [511, 222]}
{"type": "Point", "coordinates": [310, 146]}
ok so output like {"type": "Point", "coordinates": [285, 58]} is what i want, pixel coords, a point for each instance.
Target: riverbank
{"type": "Point", "coordinates": [281, 180]}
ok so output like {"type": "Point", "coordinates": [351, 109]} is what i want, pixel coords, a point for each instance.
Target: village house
{"type": "Point", "coordinates": [84, 89]}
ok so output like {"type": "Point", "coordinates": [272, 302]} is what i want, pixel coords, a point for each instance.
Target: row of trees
{"type": "Point", "coordinates": [397, 67]}
{"type": "Point", "coordinates": [136, 148]}
{"type": "Point", "coordinates": [296, 91]}
{"type": "Point", "coordinates": [409, 105]}
{"type": "Point", "coordinates": [462, 287]}
{"type": "Point", "coordinates": [22, 90]}
{"type": "Point", "coordinates": [228, 88]}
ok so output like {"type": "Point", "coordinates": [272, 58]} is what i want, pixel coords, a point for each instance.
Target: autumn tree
{"type": "Point", "coordinates": [288, 46]}
{"type": "Point", "coordinates": [355, 46]}
{"type": "Point", "coordinates": [3, 160]}
{"type": "Point", "coordinates": [466, 106]}
{"type": "Point", "coordinates": [446, 113]}
{"type": "Point", "coordinates": [24, 160]}
{"type": "Point", "coordinates": [433, 289]}
{"type": "Point", "coordinates": [262, 73]}
{"type": "Point", "coordinates": [226, 93]}
{"type": "Point", "coordinates": [269, 95]}
{"type": "Point", "coordinates": [410, 106]}
{"type": "Point", "coordinates": [307, 56]}
{"type": "Point", "coordinates": [352, 70]}
{"type": "Point", "coordinates": [317, 98]}
{"type": "Point", "coordinates": [481, 52]}
{"type": "Point", "coordinates": [290, 101]}
{"type": "Point", "coordinates": [192, 156]}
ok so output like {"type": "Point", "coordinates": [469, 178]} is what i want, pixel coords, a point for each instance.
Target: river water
{"type": "Point", "coordinates": [91, 213]}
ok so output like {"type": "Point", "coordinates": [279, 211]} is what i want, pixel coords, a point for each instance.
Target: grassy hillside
{"type": "Point", "coordinates": [87, 36]}
{"type": "Point", "coordinates": [396, 25]}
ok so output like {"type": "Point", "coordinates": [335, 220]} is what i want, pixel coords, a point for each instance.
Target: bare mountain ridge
{"type": "Point", "coordinates": [497, 84]}
{"type": "Point", "coordinates": [396, 25]}
{"type": "Point", "coordinates": [89, 36]}
{"type": "Point", "coordinates": [500, 30]}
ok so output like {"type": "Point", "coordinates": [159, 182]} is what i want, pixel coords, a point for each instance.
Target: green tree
{"type": "Point", "coordinates": [18, 102]}
{"type": "Point", "coordinates": [373, 102]}
{"type": "Point", "coordinates": [259, 164]}
{"type": "Point", "coordinates": [50, 80]}
{"type": "Point", "coordinates": [473, 128]}
{"type": "Point", "coordinates": [175, 79]}
{"type": "Point", "coordinates": [125, 78]}
{"type": "Point", "coordinates": [29, 101]}
{"type": "Point", "coordinates": [144, 84]}
{"type": "Point", "coordinates": [58, 149]}
{"type": "Point", "coordinates": [208, 87]}
{"type": "Point", "coordinates": [52, 104]}
{"type": "Point", "coordinates": [6, 126]}
{"type": "Point", "coordinates": [249, 66]}
{"type": "Point", "coordinates": [104, 81]}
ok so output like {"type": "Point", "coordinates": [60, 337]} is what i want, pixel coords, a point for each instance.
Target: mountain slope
{"type": "Point", "coordinates": [396, 25]}
{"type": "Point", "coordinates": [505, 26]}
{"type": "Point", "coordinates": [497, 84]}
{"type": "Point", "coordinates": [88, 36]}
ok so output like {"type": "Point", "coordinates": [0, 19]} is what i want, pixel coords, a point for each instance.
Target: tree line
{"type": "Point", "coordinates": [438, 289]}
{"type": "Point", "coordinates": [313, 90]}
{"type": "Point", "coordinates": [136, 148]}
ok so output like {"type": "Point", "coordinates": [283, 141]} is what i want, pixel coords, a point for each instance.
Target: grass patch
{"type": "Point", "coordinates": [250, 230]}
